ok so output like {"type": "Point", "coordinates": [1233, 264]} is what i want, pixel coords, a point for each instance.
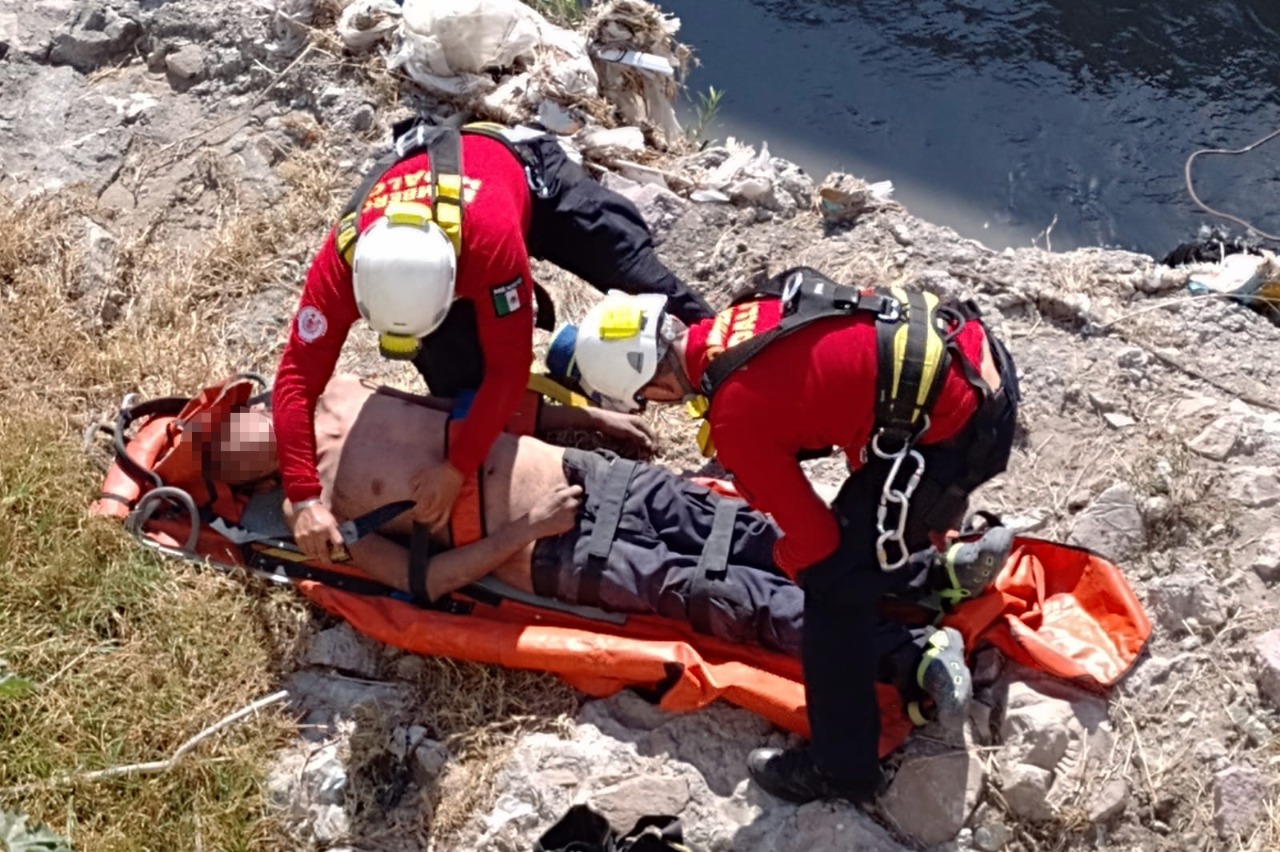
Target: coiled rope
{"type": "Point", "coordinates": [1227, 151]}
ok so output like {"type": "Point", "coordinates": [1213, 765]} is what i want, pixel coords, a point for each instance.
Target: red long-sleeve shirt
{"type": "Point", "coordinates": [493, 272]}
{"type": "Point", "coordinates": [814, 388]}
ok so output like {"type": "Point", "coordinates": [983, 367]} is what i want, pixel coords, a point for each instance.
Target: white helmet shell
{"type": "Point", "coordinates": [403, 272]}
{"type": "Point", "coordinates": [619, 345]}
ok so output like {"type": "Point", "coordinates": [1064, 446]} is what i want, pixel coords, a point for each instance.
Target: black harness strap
{"type": "Point", "coordinates": [910, 337]}
{"type": "Point", "coordinates": [613, 495]}
{"type": "Point", "coordinates": [808, 296]}
{"type": "Point", "coordinates": [713, 564]}
{"type": "Point", "coordinates": [419, 561]}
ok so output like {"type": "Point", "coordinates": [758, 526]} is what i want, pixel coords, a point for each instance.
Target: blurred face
{"type": "Point", "coordinates": [246, 450]}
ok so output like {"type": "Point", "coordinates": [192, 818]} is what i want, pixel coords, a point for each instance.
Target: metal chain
{"type": "Point", "coordinates": [902, 500]}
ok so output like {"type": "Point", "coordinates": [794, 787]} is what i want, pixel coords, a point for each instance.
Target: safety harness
{"type": "Point", "coordinates": [443, 146]}
{"type": "Point", "coordinates": [915, 341]}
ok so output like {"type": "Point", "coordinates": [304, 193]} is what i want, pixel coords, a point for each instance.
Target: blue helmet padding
{"type": "Point", "coordinates": [560, 355]}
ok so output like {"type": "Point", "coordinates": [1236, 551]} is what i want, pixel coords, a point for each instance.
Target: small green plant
{"type": "Point", "coordinates": [707, 109]}
{"type": "Point", "coordinates": [560, 12]}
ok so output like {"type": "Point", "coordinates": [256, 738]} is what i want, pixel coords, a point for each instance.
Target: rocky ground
{"type": "Point", "coordinates": [1150, 432]}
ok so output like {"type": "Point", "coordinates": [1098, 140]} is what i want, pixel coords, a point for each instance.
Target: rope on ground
{"type": "Point", "coordinates": [1177, 364]}
{"type": "Point", "coordinates": [155, 766]}
{"type": "Point", "coordinates": [1219, 213]}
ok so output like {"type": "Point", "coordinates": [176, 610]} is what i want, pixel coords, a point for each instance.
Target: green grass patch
{"type": "Point", "coordinates": [124, 656]}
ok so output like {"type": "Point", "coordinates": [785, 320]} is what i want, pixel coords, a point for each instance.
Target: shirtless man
{"type": "Point", "coordinates": [542, 504]}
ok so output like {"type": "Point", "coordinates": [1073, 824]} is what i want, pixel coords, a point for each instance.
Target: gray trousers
{"type": "Point", "coordinates": [653, 564]}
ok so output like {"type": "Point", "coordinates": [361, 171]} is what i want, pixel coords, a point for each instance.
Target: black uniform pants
{"type": "Point", "coordinates": [842, 593]}
{"type": "Point", "coordinates": [653, 566]}
{"type": "Point", "coordinates": [580, 226]}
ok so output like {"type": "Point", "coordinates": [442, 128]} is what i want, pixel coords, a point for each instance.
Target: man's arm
{"type": "Point", "coordinates": [625, 427]}
{"type": "Point", "coordinates": [504, 324]}
{"type": "Point", "coordinates": [554, 513]}
{"type": "Point", "coordinates": [326, 312]}
{"type": "Point", "coordinates": [387, 562]}
{"type": "Point", "coordinates": [772, 481]}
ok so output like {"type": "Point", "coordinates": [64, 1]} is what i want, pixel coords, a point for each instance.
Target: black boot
{"type": "Point", "coordinates": [791, 775]}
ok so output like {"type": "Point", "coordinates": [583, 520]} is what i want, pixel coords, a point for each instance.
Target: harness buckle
{"type": "Point", "coordinates": [890, 309]}
{"type": "Point", "coordinates": [536, 183]}
{"type": "Point", "coordinates": [414, 138]}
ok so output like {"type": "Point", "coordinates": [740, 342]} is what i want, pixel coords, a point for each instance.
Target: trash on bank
{"type": "Point", "coordinates": [364, 23]}
{"type": "Point", "coordinates": [1244, 273]}
{"type": "Point", "coordinates": [843, 198]}
{"type": "Point", "coordinates": [735, 172]}
{"type": "Point", "coordinates": [504, 61]}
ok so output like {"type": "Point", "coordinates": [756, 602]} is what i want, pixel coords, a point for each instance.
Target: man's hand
{"type": "Point", "coordinates": [315, 531]}
{"type": "Point", "coordinates": [435, 489]}
{"type": "Point", "coordinates": [631, 428]}
{"type": "Point", "coordinates": [556, 511]}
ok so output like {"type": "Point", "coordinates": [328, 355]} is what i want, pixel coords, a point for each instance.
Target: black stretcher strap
{"type": "Point", "coordinates": [713, 564]}
{"type": "Point", "coordinates": [419, 560]}
{"type": "Point", "coordinates": [613, 495]}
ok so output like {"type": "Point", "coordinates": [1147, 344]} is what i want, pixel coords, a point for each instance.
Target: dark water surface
{"type": "Point", "coordinates": [995, 116]}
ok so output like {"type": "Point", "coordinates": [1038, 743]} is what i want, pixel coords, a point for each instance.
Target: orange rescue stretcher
{"type": "Point", "coordinates": [1065, 611]}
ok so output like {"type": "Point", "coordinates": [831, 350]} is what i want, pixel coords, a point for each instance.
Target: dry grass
{"type": "Point", "coordinates": [130, 656]}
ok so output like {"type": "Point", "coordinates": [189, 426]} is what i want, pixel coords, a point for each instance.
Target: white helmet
{"type": "Point", "coordinates": [619, 345]}
{"type": "Point", "coordinates": [403, 271]}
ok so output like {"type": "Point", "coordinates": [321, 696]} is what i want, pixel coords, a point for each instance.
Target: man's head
{"type": "Point", "coordinates": [244, 450]}
{"type": "Point", "coordinates": [403, 273]}
{"type": "Point", "coordinates": [628, 348]}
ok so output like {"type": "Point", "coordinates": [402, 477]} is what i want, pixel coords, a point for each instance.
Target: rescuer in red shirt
{"type": "Point", "coordinates": [440, 268]}
{"type": "Point", "coordinates": [794, 371]}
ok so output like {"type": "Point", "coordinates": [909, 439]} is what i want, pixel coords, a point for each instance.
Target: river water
{"type": "Point", "coordinates": [1000, 117]}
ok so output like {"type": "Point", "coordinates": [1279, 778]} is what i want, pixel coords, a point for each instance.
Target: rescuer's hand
{"type": "Point", "coordinates": [315, 531]}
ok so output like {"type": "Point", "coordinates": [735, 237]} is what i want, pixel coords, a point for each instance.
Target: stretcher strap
{"type": "Point", "coordinates": [713, 564]}
{"type": "Point", "coordinates": [613, 495]}
{"type": "Point", "coordinates": [419, 559]}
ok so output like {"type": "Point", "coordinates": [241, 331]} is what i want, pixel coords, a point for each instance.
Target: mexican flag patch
{"type": "Point", "coordinates": [506, 297]}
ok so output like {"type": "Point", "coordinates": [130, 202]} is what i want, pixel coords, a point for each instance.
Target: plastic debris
{"type": "Point", "coordinates": [843, 198]}
{"type": "Point", "coordinates": [505, 61]}
{"type": "Point", "coordinates": [364, 23]}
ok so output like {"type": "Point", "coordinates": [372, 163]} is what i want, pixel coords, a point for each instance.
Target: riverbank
{"type": "Point", "coordinates": [207, 147]}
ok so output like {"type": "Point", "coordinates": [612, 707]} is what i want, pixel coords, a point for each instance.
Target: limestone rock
{"type": "Point", "coordinates": [1112, 525]}
{"type": "Point", "coordinates": [186, 64]}
{"type": "Point", "coordinates": [98, 35]}
{"type": "Point", "coordinates": [1254, 487]}
{"type": "Point", "coordinates": [1026, 790]}
{"type": "Point", "coordinates": [1110, 801]}
{"type": "Point", "coordinates": [1266, 559]}
{"type": "Point", "coordinates": [624, 803]}
{"type": "Point", "coordinates": [1221, 439]}
{"type": "Point", "coordinates": [1184, 600]}
{"type": "Point", "coordinates": [932, 795]}
{"type": "Point", "coordinates": [1239, 800]}
{"type": "Point", "coordinates": [1267, 647]}
{"type": "Point", "coordinates": [342, 648]}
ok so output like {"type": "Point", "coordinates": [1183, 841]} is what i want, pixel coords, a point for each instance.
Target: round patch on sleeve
{"type": "Point", "coordinates": [311, 324]}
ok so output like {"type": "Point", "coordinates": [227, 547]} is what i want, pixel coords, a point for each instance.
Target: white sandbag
{"type": "Point", "coordinates": [457, 37]}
